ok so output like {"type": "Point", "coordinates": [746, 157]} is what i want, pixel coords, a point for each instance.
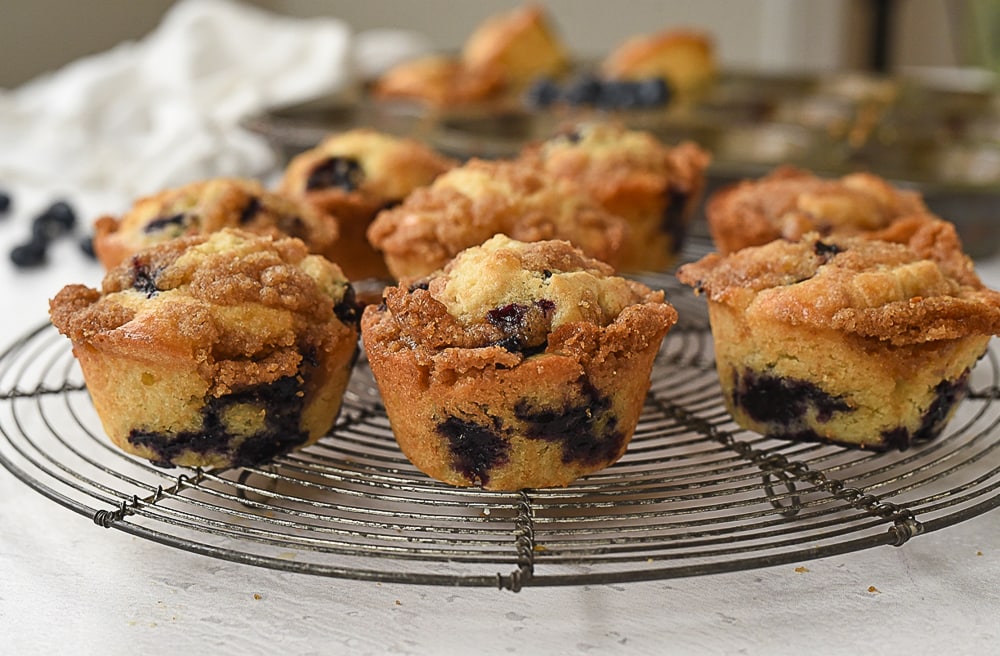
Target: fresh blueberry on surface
{"type": "Point", "coordinates": [653, 92]}
{"type": "Point", "coordinates": [543, 93]}
{"type": "Point", "coordinates": [584, 90]}
{"type": "Point", "coordinates": [29, 255]}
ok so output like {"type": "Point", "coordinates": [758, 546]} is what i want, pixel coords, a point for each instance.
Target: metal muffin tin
{"type": "Point", "coordinates": [944, 142]}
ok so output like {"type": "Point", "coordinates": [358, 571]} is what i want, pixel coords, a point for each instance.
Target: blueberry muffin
{"type": "Point", "coordinates": [353, 175]}
{"type": "Point", "coordinates": [683, 57]}
{"type": "Point", "coordinates": [520, 43]}
{"type": "Point", "coordinates": [520, 365]}
{"type": "Point", "coordinates": [439, 81]}
{"type": "Point", "coordinates": [790, 202]}
{"type": "Point", "coordinates": [855, 341]}
{"type": "Point", "coordinates": [632, 174]}
{"type": "Point", "coordinates": [217, 350]}
{"type": "Point", "coordinates": [204, 207]}
{"type": "Point", "coordinates": [470, 203]}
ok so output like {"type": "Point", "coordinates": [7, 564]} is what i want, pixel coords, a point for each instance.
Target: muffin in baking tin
{"type": "Point", "coordinates": [518, 365]}
{"type": "Point", "coordinates": [217, 350]}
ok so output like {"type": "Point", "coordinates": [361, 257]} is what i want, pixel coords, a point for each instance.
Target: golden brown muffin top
{"type": "Point", "coordinates": [207, 206]}
{"type": "Point", "coordinates": [521, 43]}
{"type": "Point", "coordinates": [870, 288]}
{"type": "Point", "coordinates": [684, 57]}
{"type": "Point", "coordinates": [470, 203]}
{"type": "Point", "coordinates": [790, 202]}
{"type": "Point", "coordinates": [244, 307]}
{"type": "Point", "coordinates": [439, 81]}
{"type": "Point", "coordinates": [606, 154]}
{"type": "Point", "coordinates": [364, 161]}
{"type": "Point", "coordinates": [520, 297]}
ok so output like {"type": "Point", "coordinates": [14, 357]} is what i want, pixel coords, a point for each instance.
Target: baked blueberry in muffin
{"type": "Point", "coordinates": [207, 206]}
{"type": "Point", "coordinates": [846, 339]}
{"type": "Point", "coordinates": [518, 365]}
{"type": "Point", "coordinates": [217, 350]}
{"type": "Point", "coordinates": [351, 176]}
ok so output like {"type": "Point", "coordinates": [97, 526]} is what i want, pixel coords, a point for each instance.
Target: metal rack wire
{"type": "Point", "coordinates": [693, 495]}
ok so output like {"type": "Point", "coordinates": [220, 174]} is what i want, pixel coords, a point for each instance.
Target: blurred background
{"type": "Point", "coordinates": [782, 35]}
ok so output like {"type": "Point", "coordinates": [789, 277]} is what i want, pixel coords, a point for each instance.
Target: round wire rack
{"type": "Point", "coordinates": [694, 494]}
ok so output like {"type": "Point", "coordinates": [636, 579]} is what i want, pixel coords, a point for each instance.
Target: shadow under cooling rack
{"type": "Point", "coordinates": [693, 495]}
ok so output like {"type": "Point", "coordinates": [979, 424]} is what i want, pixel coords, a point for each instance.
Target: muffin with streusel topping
{"type": "Point", "coordinates": [470, 203]}
{"type": "Point", "coordinates": [519, 365]}
{"type": "Point", "coordinates": [351, 176]}
{"type": "Point", "coordinates": [634, 175]}
{"type": "Point", "coordinates": [207, 206]}
{"type": "Point", "coordinates": [217, 350]}
{"type": "Point", "coordinates": [846, 339]}
{"type": "Point", "coordinates": [789, 202]}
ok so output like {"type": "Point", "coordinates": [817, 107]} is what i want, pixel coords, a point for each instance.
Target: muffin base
{"type": "Point", "coordinates": [161, 408]}
{"type": "Point", "coordinates": [502, 421]}
{"type": "Point", "coordinates": [807, 384]}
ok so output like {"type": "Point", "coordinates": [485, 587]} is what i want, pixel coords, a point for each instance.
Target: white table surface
{"type": "Point", "coordinates": [68, 586]}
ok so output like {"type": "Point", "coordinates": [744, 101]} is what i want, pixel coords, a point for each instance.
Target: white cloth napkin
{"type": "Point", "coordinates": [165, 110]}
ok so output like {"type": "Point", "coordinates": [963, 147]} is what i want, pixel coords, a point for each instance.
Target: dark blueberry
{"type": "Point", "coordinates": [282, 404]}
{"type": "Point", "coordinates": [674, 221]}
{"type": "Point", "coordinates": [546, 306]}
{"type": "Point", "coordinates": [653, 92]}
{"type": "Point", "coordinates": [163, 222]}
{"type": "Point", "coordinates": [60, 215]}
{"type": "Point", "coordinates": [5, 202]}
{"type": "Point", "coordinates": [546, 274]}
{"type": "Point", "coordinates": [30, 254]}
{"type": "Point", "coordinates": [348, 310]}
{"type": "Point", "coordinates": [618, 94]}
{"type": "Point", "coordinates": [508, 316]}
{"type": "Point", "coordinates": [584, 90]}
{"type": "Point", "coordinates": [947, 394]}
{"type": "Point", "coordinates": [475, 449]}
{"type": "Point", "coordinates": [420, 284]}
{"type": "Point", "coordinates": [58, 220]}
{"type": "Point", "coordinates": [541, 94]}
{"type": "Point", "coordinates": [587, 432]}
{"type": "Point", "coordinates": [87, 246]}
{"type": "Point", "coordinates": [250, 211]}
{"type": "Point", "coordinates": [143, 280]}
{"type": "Point", "coordinates": [339, 172]}
{"type": "Point", "coordinates": [826, 250]}
{"type": "Point", "coordinates": [783, 401]}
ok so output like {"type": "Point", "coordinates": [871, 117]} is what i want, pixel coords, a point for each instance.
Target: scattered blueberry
{"type": "Point", "coordinates": [29, 255]}
{"type": "Point", "coordinates": [5, 202]}
{"type": "Point", "coordinates": [653, 92]}
{"type": "Point", "coordinates": [584, 90]}
{"type": "Point", "coordinates": [543, 93]}
{"type": "Point", "coordinates": [589, 89]}
{"type": "Point", "coordinates": [87, 246]}
{"type": "Point", "coordinates": [618, 94]}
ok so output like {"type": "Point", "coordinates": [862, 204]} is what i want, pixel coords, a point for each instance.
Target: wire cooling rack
{"type": "Point", "coordinates": [693, 495]}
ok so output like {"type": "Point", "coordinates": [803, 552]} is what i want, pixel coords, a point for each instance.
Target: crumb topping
{"type": "Point", "coordinates": [244, 307]}
{"type": "Point", "coordinates": [878, 289]}
{"type": "Point", "coordinates": [471, 203]}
